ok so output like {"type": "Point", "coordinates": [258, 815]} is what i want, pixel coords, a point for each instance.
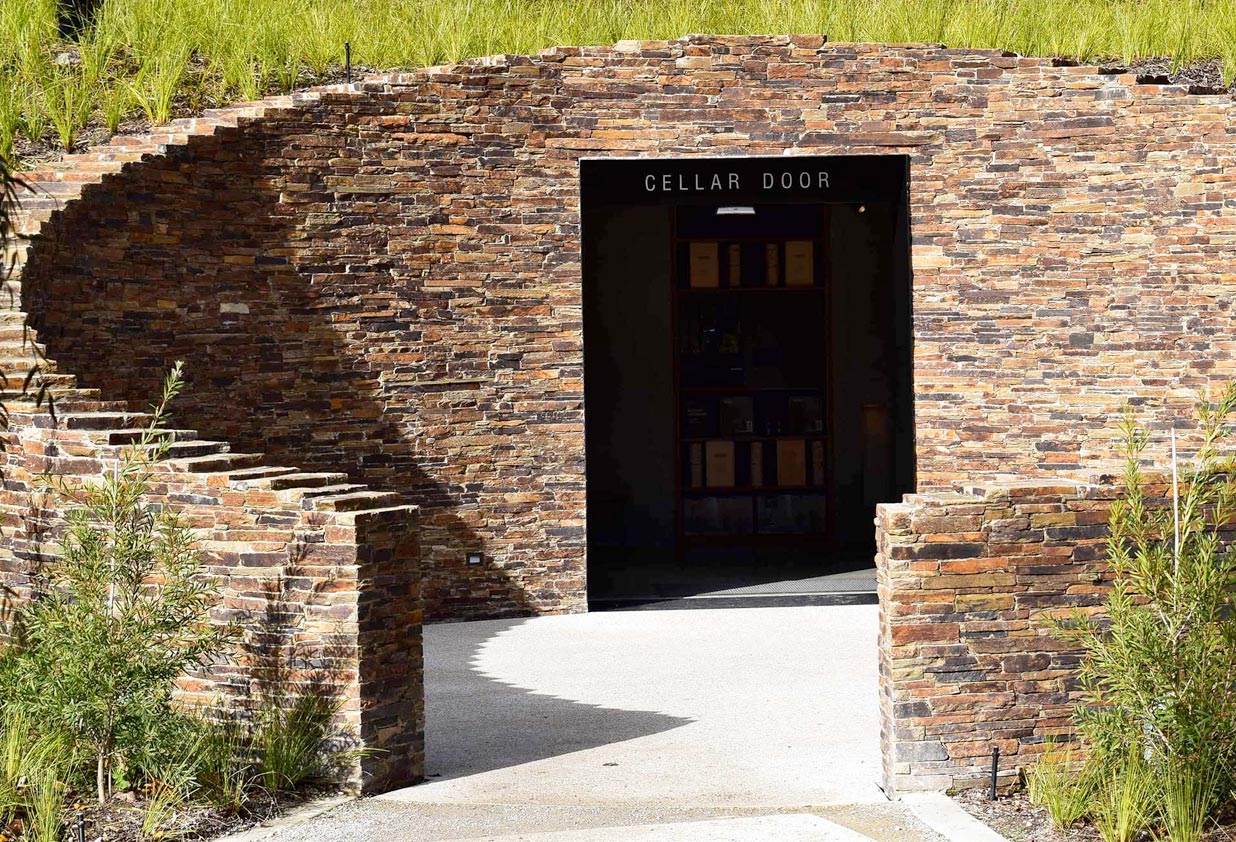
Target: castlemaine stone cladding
{"type": "Point", "coordinates": [968, 584]}
{"type": "Point", "coordinates": [383, 280]}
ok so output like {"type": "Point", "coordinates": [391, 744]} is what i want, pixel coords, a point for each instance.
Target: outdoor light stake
{"type": "Point", "coordinates": [81, 827]}
{"type": "Point", "coordinates": [995, 766]}
{"type": "Point", "coordinates": [347, 61]}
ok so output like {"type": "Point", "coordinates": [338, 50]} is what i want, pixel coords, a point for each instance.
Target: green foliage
{"type": "Point", "coordinates": [1124, 804]}
{"type": "Point", "coordinates": [86, 688]}
{"type": "Point", "coordinates": [46, 804]}
{"type": "Point", "coordinates": [69, 95]}
{"type": "Point", "coordinates": [1190, 791]}
{"type": "Point", "coordinates": [224, 770]}
{"type": "Point", "coordinates": [123, 616]}
{"type": "Point", "coordinates": [30, 763]}
{"type": "Point", "coordinates": [290, 738]}
{"type": "Point", "coordinates": [213, 50]}
{"type": "Point", "coordinates": [1159, 673]}
{"type": "Point", "coordinates": [1057, 785]}
{"type": "Point", "coordinates": [156, 84]}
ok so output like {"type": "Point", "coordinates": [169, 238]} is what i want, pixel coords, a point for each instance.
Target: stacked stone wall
{"type": "Point", "coordinates": [381, 283]}
{"type": "Point", "coordinates": [296, 569]}
{"type": "Point", "coordinates": [969, 585]}
{"type": "Point", "coordinates": [384, 278]}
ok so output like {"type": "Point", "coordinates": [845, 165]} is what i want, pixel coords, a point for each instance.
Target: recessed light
{"type": "Point", "coordinates": [736, 210]}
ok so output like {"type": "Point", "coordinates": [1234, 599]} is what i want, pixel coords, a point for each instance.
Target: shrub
{"type": "Point", "coordinates": [124, 614]}
{"type": "Point", "coordinates": [1159, 672]}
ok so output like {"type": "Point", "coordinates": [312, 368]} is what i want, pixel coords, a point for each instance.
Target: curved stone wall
{"type": "Point", "coordinates": [384, 279]}
{"type": "Point", "coordinates": [319, 575]}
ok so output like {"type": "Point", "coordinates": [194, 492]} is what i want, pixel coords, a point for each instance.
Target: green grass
{"type": "Point", "coordinates": [1056, 784]}
{"type": "Point", "coordinates": [155, 57]}
{"type": "Point", "coordinates": [1124, 805]}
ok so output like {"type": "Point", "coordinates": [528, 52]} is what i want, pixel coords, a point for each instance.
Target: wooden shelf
{"type": "Point", "coordinates": [797, 345]}
{"type": "Point", "coordinates": [716, 290]}
{"type": "Point", "coordinates": [744, 390]}
{"type": "Point", "coordinates": [753, 490]}
{"type": "Point", "coordinates": [754, 437]}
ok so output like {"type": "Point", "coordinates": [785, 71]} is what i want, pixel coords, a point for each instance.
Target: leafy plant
{"type": "Point", "coordinates": [124, 615]}
{"type": "Point", "coordinates": [115, 102]}
{"type": "Point", "coordinates": [156, 84]}
{"type": "Point", "coordinates": [12, 100]}
{"type": "Point", "coordinates": [70, 94]}
{"type": "Point", "coordinates": [46, 804]}
{"type": "Point", "coordinates": [224, 768]}
{"type": "Point", "coordinates": [1159, 672]}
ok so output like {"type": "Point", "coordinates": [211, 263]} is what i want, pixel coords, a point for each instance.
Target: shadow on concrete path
{"type": "Point", "coordinates": [476, 724]}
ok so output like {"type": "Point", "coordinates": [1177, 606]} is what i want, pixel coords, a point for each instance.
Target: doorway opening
{"type": "Point", "coordinates": [747, 354]}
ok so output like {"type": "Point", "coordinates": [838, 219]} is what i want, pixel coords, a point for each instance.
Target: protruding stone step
{"type": "Point", "coordinates": [193, 449]}
{"type": "Point", "coordinates": [354, 502]}
{"type": "Point", "coordinates": [15, 380]}
{"type": "Point", "coordinates": [134, 435]}
{"type": "Point", "coordinates": [64, 401]}
{"type": "Point", "coordinates": [214, 464]}
{"type": "Point", "coordinates": [20, 365]}
{"type": "Point", "coordinates": [13, 331]}
{"type": "Point", "coordinates": [103, 420]}
{"type": "Point", "coordinates": [333, 490]}
{"type": "Point", "coordinates": [243, 478]}
{"type": "Point", "coordinates": [302, 479]}
{"type": "Point", "coordinates": [17, 342]}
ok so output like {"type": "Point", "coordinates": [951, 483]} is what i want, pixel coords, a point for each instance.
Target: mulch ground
{"type": "Point", "coordinates": [1015, 818]}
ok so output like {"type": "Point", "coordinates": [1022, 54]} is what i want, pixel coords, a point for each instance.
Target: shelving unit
{"type": "Point", "coordinates": [751, 380]}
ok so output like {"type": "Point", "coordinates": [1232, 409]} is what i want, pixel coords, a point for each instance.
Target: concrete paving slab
{"type": "Point", "coordinates": [947, 818]}
{"type": "Point", "coordinates": [603, 722]}
{"type": "Point", "coordinates": [764, 706]}
{"type": "Point", "coordinates": [382, 820]}
{"type": "Point", "coordinates": [793, 827]}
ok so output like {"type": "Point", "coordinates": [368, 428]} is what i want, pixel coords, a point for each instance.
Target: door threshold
{"type": "Point", "coordinates": [655, 603]}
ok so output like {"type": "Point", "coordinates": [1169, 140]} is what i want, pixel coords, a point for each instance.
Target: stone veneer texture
{"type": "Point", "coordinates": [325, 596]}
{"type": "Point", "coordinates": [968, 585]}
{"type": "Point", "coordinates": [384, 279]}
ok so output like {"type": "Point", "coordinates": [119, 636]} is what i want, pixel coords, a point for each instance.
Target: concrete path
{"type": "Point", "coordinates": [629, 720]}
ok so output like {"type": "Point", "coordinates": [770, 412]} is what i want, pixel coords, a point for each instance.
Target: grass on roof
{"type": "Point", "coordinates": [155, 59]}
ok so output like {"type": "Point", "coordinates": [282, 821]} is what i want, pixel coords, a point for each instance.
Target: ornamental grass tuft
{"type": "Point", "coordinates": [171, 56]}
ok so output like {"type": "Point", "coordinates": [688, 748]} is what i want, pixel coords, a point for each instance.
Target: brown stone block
{"type": "Point", "coordinates": [974, 581]}
{"type": "Point", "coordinates": [983, 602]}
{"type": "Point", "coordinates": [904, 634]}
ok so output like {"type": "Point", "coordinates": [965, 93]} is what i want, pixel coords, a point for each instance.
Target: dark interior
{"type": "Point", "coordinates": [747, 373]}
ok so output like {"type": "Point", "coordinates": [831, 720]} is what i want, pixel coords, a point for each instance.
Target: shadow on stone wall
{"type": "Point", "coordinates": [273, 307]}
